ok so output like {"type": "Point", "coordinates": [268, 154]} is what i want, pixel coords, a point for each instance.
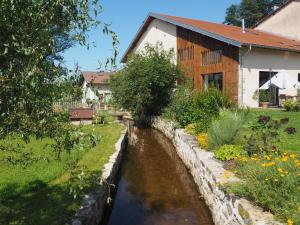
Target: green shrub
{"type": "Point", "coordinates": [229, 152]}
{"type": "Point", "coordinates": [226, 129]}
{"type": "Point", "coordinates": [145, 85]}
{"type": "Point", "coordinates": [182, 105]}
{"type": "Point", "coordinates": [190, 129]}
{"type": "Point", "coordinates": [272, 182]}
{"type": "Point", "coordinates": [208, 105]}
{"type": "Point", "coordinates": [101, 117]}
{"type": "Point", "coordinates": [291, 106]}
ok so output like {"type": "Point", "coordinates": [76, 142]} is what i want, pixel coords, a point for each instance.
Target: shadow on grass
{"type": "Point", "coordinates": [37, 204]}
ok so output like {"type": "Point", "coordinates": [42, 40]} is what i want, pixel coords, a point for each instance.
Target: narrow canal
{"type": "Point", "coordinates": [155, 187]}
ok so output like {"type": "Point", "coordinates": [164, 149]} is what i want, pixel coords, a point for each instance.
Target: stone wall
{"type": "Point", "coordinates": [93, 205]}
{"type": "Point", "coordinates": [208, 173]}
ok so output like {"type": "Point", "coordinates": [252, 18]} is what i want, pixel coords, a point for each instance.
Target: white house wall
{"type": "Point", "coordinates": [264, 60]}
{"type": "Point", "coordinates": [285, 22]}
{"type": "Point", "coordinates": [159, 31]}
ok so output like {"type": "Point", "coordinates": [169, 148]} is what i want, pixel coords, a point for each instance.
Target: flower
{"type": "Point", "coordinates": [293, 156]}
{"type": "Point", "coordinates": [268, 164]}
{"type": "Point", "coordinates": [280, 170]}
{"type": "Point", "coordinates": [284, 158]}
{"type": "Point", "coordinates": [290, 222]}
{"type": "Point", "coordinates": [290, 130]}
{"type": "Point", "coordinates": [202, 140]}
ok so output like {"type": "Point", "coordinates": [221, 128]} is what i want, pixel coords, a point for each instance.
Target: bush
{"type": "Point", "coordinates": [208, 105]}
{"type": "Point", "coordinates": [145, 85]}
{"type": "Point", "coordinates": [202, 140]}
{"type": "Point", "coordinates": [273, 182]}
{"type": "Point", "coordinates": [264, 135]}
{"type": "Point", "coordinates": [182, 105]}
{"type": "Point", "coordinates": [229, 152]}
{"type": "Point", "coordinates": [101, 117]}
{"type": "Point", "coordinates": [190, 129]}
{"type": "Point", "coordinates": [291, 106]}
{"type": "Point", "coordinates": [226, 129]}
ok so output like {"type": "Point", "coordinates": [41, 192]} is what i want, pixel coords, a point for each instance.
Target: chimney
{"type": "Point", "coordinates": [243, 26]}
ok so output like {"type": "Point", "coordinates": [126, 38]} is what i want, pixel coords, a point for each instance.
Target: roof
{"type": "Point", "coordinates": [97, 77]}
{"type": "Point", "coordinates": [226, 33]}
{"type": "Point", "coordinates": [272, 13]}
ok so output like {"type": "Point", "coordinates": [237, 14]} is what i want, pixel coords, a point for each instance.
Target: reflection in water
{"type": "Point", "coordinates": [155, 187]}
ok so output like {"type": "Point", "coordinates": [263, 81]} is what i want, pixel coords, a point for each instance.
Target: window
{"type": "Point", "coordinates": [299, 77]}
{"type": "Point", "coordinates": [186, 53]}
{"type": "Point", "coordinates": [265, 76]}
{"type": "Point", "coordinates": [214, 80]}
{"type": "Point", "coordinates": [211, 57]}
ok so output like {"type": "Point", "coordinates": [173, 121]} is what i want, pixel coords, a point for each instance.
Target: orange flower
{"type": "Point", "coordinates": [290, 222]}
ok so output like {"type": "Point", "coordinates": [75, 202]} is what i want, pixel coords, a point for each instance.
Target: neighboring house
{"type": "Point", "coordinates": [96, 87]}
{"type": "Point", "coordinates": [284, 21]}
{"type": "Point", "coordinates": [237, 61]}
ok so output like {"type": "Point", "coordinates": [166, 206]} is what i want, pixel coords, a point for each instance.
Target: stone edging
{"type": "Point", "coordinates": [94, 204]}
{"type": "Point", "coordinates": [208, 173]}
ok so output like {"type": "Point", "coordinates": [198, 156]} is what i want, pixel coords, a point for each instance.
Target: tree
{"type": "Point", "coordinates": [145, 85]}
{"type": "Point", "coordinates": [233, 15]}
{"type": "Point", "coordinates": [250, 10]}
{"type": "Point", "coordinates": [34, 33]}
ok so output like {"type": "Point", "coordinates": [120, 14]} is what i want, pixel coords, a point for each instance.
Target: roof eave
{"type": "Point", "coordinates": [271, 47]}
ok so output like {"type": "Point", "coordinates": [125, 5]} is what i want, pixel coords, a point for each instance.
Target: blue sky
{"type": "Point", "coordinates": [126, 16]}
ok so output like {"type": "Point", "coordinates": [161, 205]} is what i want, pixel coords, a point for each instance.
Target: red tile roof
{"type": "Point", "coordinates": [230, 34]}
{"type": "Point", "coordinates": [97, 77]}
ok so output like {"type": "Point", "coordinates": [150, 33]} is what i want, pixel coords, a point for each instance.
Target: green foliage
{"type": "Point", "coordinates": [250, 10]}
{"type": "Point", "coordinates": [34, 35]}
{"type": "Point", "coordinates": [145, 85]}
{"type": "Point", "coordinates": [182, 108]}
{"type": "Point", "coordinates": [188, 107]}
{"type": "Point", "coordinates": [291, 106]}
{"type": "Point", "coordinates": [208, 105]}
{"type": "Point", "coordinates": [190, 129]}
{"type": "Point", "coordinates": [272, 182]}
{"type": "Point", "coordinates": [229, 152]}
{"type": "Point", "coordinates": [264, 136]}
{"type": "Point", "coordinates": [101, 117]}
{"type": "Point", "coordinates": [226, 129]}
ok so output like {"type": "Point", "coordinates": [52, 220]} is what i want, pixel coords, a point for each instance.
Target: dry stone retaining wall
{"type": "Point", "coordinates": [94, 204]}
{"type": "Point", "coordinates": [208, 173]}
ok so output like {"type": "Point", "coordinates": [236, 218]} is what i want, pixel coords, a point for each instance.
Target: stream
{"type": "Point", "coordinates": [154, 186]}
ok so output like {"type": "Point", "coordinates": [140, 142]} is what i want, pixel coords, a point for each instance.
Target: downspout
{"type": "Point", "coordinates": [242, 55]}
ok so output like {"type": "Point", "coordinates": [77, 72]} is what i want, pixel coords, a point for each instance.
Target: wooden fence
{"type": "Point", "coordinates": [64, 106]}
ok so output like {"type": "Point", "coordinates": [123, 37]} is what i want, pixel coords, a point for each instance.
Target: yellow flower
{"type": "Point", "coordinates": [280, 170]}
{"type": "Point", "coordinates": [293, 156]}
{"type": "Point", "coordinates": [284, 158]}
{"type": "Point", "coordinates": [269, 164]}
{"type": "Point", "coordinates": [290, 222]}
{"type": "Point", "coordinates": [202, 140]}
{"type": "Point", "coordinates": [299, 208]}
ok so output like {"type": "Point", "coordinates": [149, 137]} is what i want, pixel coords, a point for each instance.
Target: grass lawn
{"type": "Point", "coordinates": [38, 194]}
{"type": "Point", "coordinates": [288, 143]}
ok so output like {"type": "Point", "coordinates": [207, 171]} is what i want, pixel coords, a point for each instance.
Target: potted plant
{"type": "Point", "coordinates": [263, 96]}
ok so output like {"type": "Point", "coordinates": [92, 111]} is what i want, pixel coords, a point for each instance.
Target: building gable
{"type": "Point", "coordinates": [285, 21]}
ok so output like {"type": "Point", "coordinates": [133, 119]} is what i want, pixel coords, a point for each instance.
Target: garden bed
{"type": "Point", "coordinates": [39, 193]}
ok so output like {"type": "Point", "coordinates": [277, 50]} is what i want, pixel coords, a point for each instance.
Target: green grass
{"type": "Point", "coordinates": [288, 143]}
{"type": "Point", "coordinates": [38, 194]}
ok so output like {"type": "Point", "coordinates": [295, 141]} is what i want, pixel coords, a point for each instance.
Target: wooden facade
{"type": "Point", "coordinates": [192, 47]}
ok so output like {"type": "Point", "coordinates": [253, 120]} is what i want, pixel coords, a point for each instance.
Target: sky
{"type": "Point", "coordinates": [126, 17]}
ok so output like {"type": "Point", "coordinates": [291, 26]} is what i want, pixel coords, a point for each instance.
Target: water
{"type": "Point", "coordinates": [154, 187]}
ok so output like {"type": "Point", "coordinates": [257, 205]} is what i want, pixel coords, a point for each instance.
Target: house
{"type": "Point", "coordinates": [96, 87]}
{"type": "Point", "coordinates": [237, 61]}
{"type": "Point", "coordinates": [284, 21]}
